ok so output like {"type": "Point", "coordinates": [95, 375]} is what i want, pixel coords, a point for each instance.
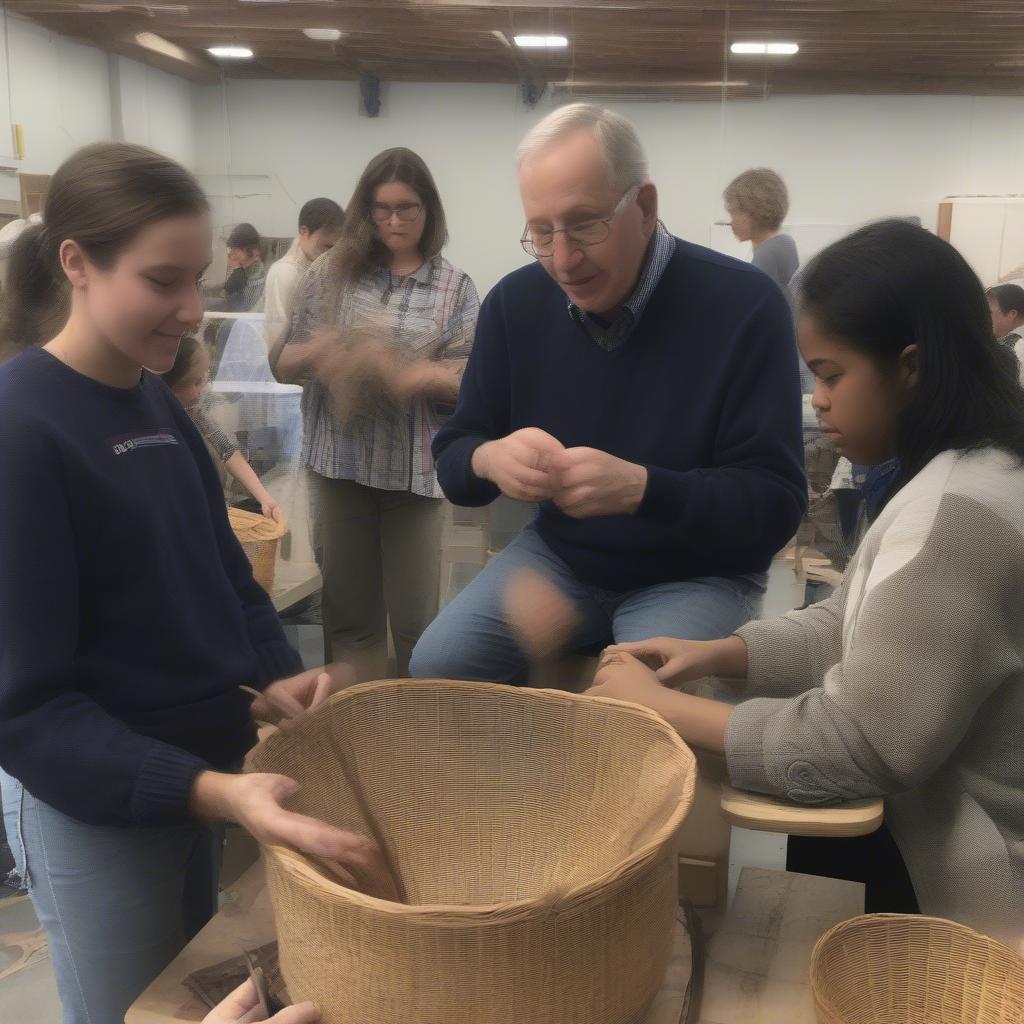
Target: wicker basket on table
{"type": "Point", "coordinates": [533, 836]}
{"type": "Point", "coordinates": [258, 536]}
{"type": "Point", "coordinates": [910, 969]}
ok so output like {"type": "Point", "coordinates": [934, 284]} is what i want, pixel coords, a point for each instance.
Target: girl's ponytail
{"type": "Point", "coordinates": [33, 297]}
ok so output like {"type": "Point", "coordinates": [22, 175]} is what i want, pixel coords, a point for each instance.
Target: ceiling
{"type": "Point", "coordinates": [646, 48]}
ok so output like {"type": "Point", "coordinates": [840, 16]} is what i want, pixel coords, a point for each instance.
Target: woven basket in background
{"type": "Point", "coordinates": [533, 833]}
{"type": "Point", "coordinates": [910, 969]}
{"type": "Point", "coordinates": [258, 536]}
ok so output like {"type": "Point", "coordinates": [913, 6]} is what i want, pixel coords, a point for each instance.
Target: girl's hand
{"type": "Point", "coordinates": [256, 802]}
{"type": "Point", "coordinates": [701, 723]}
{"type": "Point", "coordinates": [623, 677]}
{"type": "Point", "coordinates": [239, 1008]}
{"type": "Point", "coordinates": [271, 508]}
{"type": "Point", "coordinates": [676, 662]}
{"type": "Point", "coordinates": [297, 695]}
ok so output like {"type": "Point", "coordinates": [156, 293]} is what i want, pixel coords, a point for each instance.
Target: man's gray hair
{"type": "Point", "coordinates": [619, 142]}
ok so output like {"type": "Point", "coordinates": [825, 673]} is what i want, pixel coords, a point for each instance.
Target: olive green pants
{"type": "Point", "coordinates": [379, 553]}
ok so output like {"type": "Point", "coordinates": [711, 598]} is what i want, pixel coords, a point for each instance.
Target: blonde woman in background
{"type": "Point", "coordinates": [757, 203]}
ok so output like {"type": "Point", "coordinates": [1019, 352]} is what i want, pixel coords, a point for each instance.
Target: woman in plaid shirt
{"type": "Point", "coordinates": [381, 329]}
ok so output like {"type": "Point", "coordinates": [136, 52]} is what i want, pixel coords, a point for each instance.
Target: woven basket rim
{"type": "Point", "coordinates": [857, 923]}
{"type": "Point", "coordinates": [268, 529]}
{"type": "Point", "coordinates": [472, 915]}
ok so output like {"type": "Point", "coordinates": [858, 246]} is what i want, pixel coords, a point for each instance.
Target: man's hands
{"type": "Point", "coordinates": [531, 465]}
{"type": "Point", "coordinates": [520, 465]}
{"type": "Point", "coordinates": [594, 483]}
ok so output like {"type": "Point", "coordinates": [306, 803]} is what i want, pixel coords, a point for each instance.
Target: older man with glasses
{"type": "Point", "coordinates": [644, 391]}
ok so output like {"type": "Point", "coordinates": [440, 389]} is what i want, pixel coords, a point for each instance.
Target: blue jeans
{"type": "Point", "coordinates": [117, 904]}
{"type": "Point", "coordinates": [470, 639]}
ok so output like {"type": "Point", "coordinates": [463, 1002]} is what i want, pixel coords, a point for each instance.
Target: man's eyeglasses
{"type": "Point", "coordinates": [540, 241]}
{"type": "Point", "coordinates": [381, 213]}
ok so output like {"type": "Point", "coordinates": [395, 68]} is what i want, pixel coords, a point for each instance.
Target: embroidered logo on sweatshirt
{"type": "Point", "coordinates": [133, 442]}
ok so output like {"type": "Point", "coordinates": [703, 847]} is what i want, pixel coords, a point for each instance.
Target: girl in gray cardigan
{"type": "Point", "coordinates": [909, 682]}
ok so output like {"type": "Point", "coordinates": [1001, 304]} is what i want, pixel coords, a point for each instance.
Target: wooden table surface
{"type": "Point", "coordinates": [757, 956]}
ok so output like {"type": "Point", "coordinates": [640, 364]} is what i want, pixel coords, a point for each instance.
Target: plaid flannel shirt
{"type": "Point", "coordinates": [431, 314]}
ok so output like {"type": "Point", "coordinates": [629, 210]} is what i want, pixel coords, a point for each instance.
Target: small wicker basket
{"type": "Point", "coordinates": [909, 969]}
{"type": "Point", "coordinates": [258, 536]}
{"type": "Point", "coordinates": [534, 834]}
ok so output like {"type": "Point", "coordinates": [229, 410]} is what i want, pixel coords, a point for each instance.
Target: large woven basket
{"type": "Point", "coordinates": [258, 536]}
{"type": "Point", "coordinates": [907, 969]}
{"type": "Point", "coordinates": [533, 833]}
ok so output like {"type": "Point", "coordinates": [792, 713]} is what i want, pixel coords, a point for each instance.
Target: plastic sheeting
{"type": "Point", "coordinates": [263, 417]}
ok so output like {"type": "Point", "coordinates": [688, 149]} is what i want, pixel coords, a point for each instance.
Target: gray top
{"type": "Point", "coordinates": [778, 259]}
{"type": "Point", "coordinates": [908, 684]}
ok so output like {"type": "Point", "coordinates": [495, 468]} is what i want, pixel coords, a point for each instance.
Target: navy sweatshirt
{"type": "Point", "coordinates": [705, 394]}
{"type": "Point", "coordinates": [129, 615]}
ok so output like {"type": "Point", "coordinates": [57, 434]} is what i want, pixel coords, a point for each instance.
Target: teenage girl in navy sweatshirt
{"type": "Point", "coordinates": [129, 617]}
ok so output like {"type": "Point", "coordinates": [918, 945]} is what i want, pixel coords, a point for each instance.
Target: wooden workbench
{"type": "Point", "coordinates": [757, 956]}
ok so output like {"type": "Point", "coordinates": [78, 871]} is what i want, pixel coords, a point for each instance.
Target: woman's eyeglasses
{"type": "Point", "coordinates": [381, 213]}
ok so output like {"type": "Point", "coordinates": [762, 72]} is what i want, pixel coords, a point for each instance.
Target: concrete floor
{"type": "Point", "coordinates": [28, 994]}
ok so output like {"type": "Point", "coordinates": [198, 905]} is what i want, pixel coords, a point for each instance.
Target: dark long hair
{"type": "Point", "coordinates": [101, 197]}
{"type": "Point", "coordinates": [360, 249]}
{"type": "Point", "coordinates": [890, 285]}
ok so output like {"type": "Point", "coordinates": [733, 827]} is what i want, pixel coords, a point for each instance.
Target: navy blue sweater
{"type": "Point", "coordinates": [705, 394]}
{"type": "Point", "coordinates": [129, 615]}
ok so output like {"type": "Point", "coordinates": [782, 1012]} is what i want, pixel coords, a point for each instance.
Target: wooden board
{"type": "Point", "coordinates": [759, 956]}
{"type": "Point", "coordinates": [766, 814]}
{"type": "Point", "coordinates": [245, 921]}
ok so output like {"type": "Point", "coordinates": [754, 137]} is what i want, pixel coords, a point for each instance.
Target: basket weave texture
{"type": "Point", "coordinates": [258, 536]}
{"type": "Point", "coordinates": [534, 835]}
{"type": "Point", "coordinates": [909, 969]}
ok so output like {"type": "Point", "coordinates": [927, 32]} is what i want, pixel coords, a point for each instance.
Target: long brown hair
{"type": "Point", "coordinates": [101, 197]}
{"type": "Point", "coordinates": [360, 249]}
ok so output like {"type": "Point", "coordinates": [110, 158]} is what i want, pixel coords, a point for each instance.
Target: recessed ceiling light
{"type": "Point", "coordinates": [775, 49]}
{"type": "Point", "coordinates": [542, 42]}
{"type": "Point", "coordinates": [322, 35]}
{"type": "Point", "coordinates": [230, 52]}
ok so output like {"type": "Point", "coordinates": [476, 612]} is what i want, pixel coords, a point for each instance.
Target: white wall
{"type": "Point", "coordinates": [845, 159]}
{"type": "Point", "coordinates": [67, 95]}
{"type": "Point", "coordinates": [156, 109]}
